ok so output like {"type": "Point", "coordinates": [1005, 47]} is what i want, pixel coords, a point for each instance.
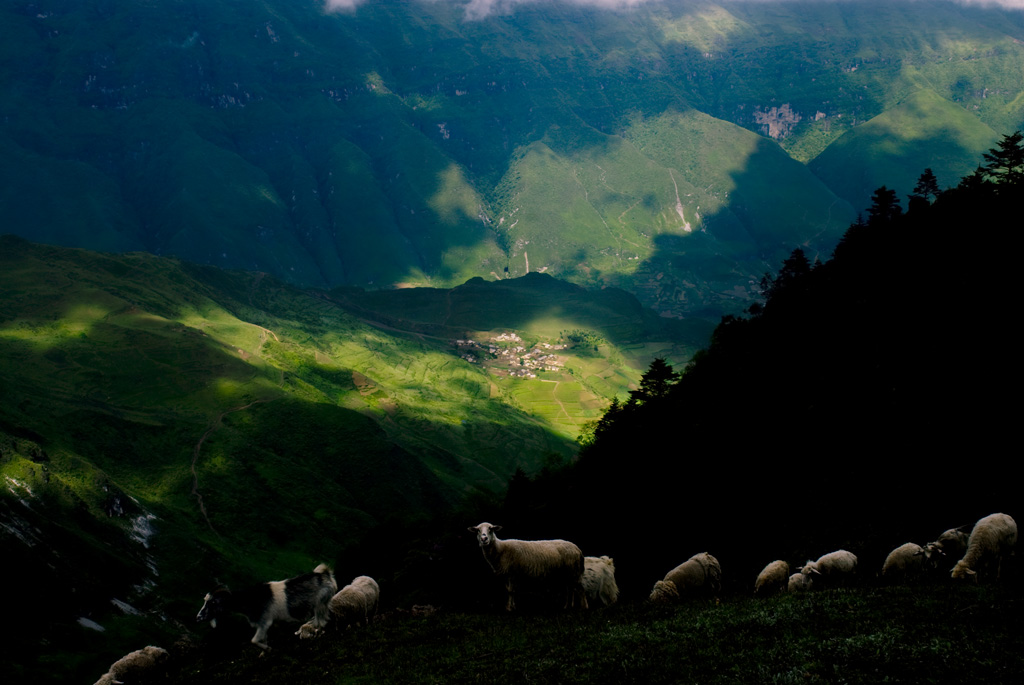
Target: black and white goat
{"type": "Point", "coordinates": [303, 598]}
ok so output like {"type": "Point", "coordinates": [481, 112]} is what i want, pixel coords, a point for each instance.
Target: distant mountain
{"type": "Point", "coordinates": [409, 143]}
{"type": "Point", "coordinates": [892, 149]}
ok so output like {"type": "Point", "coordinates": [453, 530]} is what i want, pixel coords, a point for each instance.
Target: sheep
{"type": "Point", "coordinates": [910, 560]}
{"type": "Point", "coordinates": [953, 542]}
{"type": "Point", "coordinates": [993, 538]}
{"type": "Point", "coordinates": [773, 578]}
{"type": "Point", "coordinates": [294, 599]}
{"type": "Point", "coordinates": [798, 582]}
{"type": "Point", "coordinates": [949, 547]}
{"type": "Point", "coordinates": [833, 567]}
{"type": "Point", "coordinates": [138, 664]}
{"type": "Point", "coordinates": [599, 581]}
{"type": "Point", "coordinates": [554, 562]}
{"type": "Point", "coordinates": [699, 571]}
{"type": "Point", "coordinates": [354, 604]}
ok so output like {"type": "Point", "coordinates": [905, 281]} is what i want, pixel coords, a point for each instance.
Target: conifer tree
{"type": "Point", "coordinates": [1004, 164]}
{"type": "Point", "coordinates": [885, 206]}
{"type": "Point", "coordinates": [927, 186]}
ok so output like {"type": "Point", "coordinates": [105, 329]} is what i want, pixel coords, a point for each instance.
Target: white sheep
{"type": "Point", "coordinates": [773, 578]}
{"type": "Point", "coordinates": [953, 542]}
{"type": "Point", "coordinates": [909, 560]}
{"type": "Point", "coordinates": [698, 572]}
{"type": "Point", "coordinates": [798, 582]}
{"type": "Point", "coordinates": [599, 581]}
{"type": "Point", "coordinates": [555, 562]}
{"type": "Point", "coordinates": [835, 567]}
{"type": "Point", "coordinates": [993, 538]}
{"type": "Point", "coordinates": [950, 546]}
{"type": "Point", "coordinates": [356, 603]}
{"type": "Point", "coordinates": [140, 664]}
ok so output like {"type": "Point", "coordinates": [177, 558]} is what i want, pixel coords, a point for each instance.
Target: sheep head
{"type": "Point", "coordinates": [664, 591]}
{"type": "Point", "coordinates": [485, 533]}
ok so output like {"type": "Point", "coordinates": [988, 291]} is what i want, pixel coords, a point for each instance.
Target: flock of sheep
{"type": "Point", "coordinates": [559, 565]}
{"type": "Point", "coordinates": [991, 539]}
{"type": "Point", "coordinates": [583, 580]}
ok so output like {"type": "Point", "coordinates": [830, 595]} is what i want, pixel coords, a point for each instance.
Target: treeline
{"type": "Point", "coordinates": [869, 401]}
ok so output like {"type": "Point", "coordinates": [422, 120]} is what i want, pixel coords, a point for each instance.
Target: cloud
{"type": "Point", "coordinates": [342, 5]}
{"type": "Point", "coordinates": [481, 9]}
{"type": "Point", "coordinates": [478, 9]}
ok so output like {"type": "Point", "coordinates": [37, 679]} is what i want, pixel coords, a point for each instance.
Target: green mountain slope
{"type": "Point", "coordinates": [892, 149]}
{"type": "Point", "coordinates": [391, 144]}
{"type": "Point", "coordinates": [162, 423]}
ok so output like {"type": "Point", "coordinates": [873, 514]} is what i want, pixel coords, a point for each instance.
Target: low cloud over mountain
{"type": "Point", "coordinates": [480, 9]}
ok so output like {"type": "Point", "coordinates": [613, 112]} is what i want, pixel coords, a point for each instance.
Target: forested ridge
{"type": "Point", "coordinates": [868, 401]}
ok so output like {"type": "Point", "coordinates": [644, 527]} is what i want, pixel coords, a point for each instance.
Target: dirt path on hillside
{"type": "Point", "coordinates": [554, 396]}
{"type": "Point", "coordinates": [195, 458]}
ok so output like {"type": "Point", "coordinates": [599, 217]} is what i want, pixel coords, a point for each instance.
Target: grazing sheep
{"type": "Point", "coordinates": [773, 578]}
{"type": "Point", "coordinates": [834, 567]}
{"type": "Point", "coordinates": [910, 560]}
{"type": "Point", "coordinates": [993, 538]}
{"type": "Point", "coordinates": [950, 546]}
{"type": "Point", "coordinates": [139, 664]}
{"type": "Point", "coordinates": [555, 562]}
{"type": "Point", "coordinates": [354, 604]}
{"type": "Point", "coordinates": [798, 582]}
{"type": "Point", "coordinates": [698, 572]}
{"type": "Point", "coordinates": [295, 599]}
{"type": "Point", "coordinates": [599, 581]}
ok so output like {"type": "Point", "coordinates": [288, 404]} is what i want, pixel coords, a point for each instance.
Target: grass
{"type": "Point", "coordinates": [895, 147]}
{"type": "Point", "coordinates": [870, 635]}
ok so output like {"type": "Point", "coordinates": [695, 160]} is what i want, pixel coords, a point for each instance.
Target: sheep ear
{"type": "Point", "coordinates": [495, 529]}
{"type": "Point", "coordinates": [472, 529]}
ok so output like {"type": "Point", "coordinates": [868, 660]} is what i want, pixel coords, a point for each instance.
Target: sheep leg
{"type": "Point", "coordinates": [581, 593]}
{"type": "Point", "coordinates": [509, 586]}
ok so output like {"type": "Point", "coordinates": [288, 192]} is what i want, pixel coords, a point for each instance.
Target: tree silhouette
{"type": "Point", "coordinates": [885, 207]}
{"type": "Point", "coordinates": [795, 267]}
{"type": "Point", "coordinates": [1004, 164]}
{"type": "Point", "coordinates": [656, 381]}
{"type": "Point", "coordinates": [927, 185]}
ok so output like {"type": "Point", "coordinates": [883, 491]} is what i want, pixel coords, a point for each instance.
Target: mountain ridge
{"type": "Point", "coordinates": [384, 146]}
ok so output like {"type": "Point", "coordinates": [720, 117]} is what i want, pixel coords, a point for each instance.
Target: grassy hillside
{"type": "Point", "coordinates": [162, 423]}
{"type": "Point", "coordinates": [411, 143]}
{"type": "Point", "coordinates": [867, 635]}
{"type": "Point", "coordinates": [893, 149]}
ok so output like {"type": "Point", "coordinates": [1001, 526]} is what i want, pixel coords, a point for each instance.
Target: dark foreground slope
{"type": "Point", "coordinates": [864, 635]}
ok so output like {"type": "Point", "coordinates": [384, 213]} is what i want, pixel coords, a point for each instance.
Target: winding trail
{"type": "Point", "coordinates": [195, 457]}
{"type": "Point", "coordinates": [555, 398]}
